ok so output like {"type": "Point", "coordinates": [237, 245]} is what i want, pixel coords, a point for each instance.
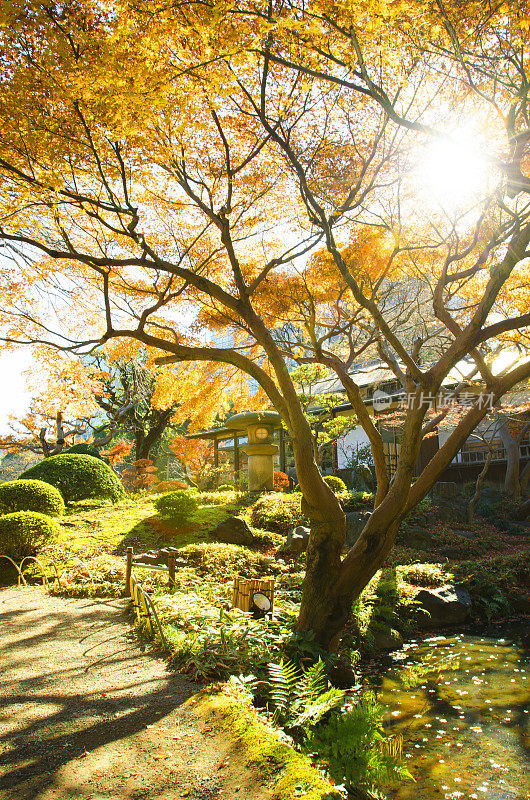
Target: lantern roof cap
{"type": "Point", "coordinates": [246, 418]}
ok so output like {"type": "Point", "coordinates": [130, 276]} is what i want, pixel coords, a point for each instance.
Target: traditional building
{"type": "Point", "coordinates": [235, 443]}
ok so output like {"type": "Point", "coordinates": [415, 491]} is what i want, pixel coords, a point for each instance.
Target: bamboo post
{"type": "Point", "coordinates": [128, 570]}
{"type": "Point", "coordinates": [171, 569]}
{"type": "Point", "coordinates": [245, 588]}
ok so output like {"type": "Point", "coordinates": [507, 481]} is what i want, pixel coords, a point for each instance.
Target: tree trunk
{"type": "Point", "coordinates": [480, 480]}
{"type": "Point", "coordinates": [328, 530]}
{"type": "Point", "coordinates": [60, 439]}
{"type": "Point", "coordinates": [140, 449]}
{"type": "Point", "coordinates": [525, 478]}
{"type": "Point", "coordinates": [156, 425]}
{"type": "Point", "coordinates": [331, 585]}
{"type": "Point", "coordinates": [511, 481]}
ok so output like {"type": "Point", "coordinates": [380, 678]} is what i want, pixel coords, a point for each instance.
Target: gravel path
{"type": "Point", "coordinates": [85, 712]}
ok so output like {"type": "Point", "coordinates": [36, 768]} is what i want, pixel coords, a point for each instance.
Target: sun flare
{"type": "Point", "coordinates": [454, 172]}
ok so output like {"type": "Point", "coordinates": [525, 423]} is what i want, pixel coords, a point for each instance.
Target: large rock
{"type": "Point", "coordinates": [447, 605]}
{"type": "Point", "coordinates": [444, 490]}
{"type": "Point", "coordinates": [295, 544]}
{"type": "Point", "coordinates": [450, 503]}
{"type": "Point", "coordinates": [233, 530]}
{"type": "Point", "coordinates": [388, 639]}
{"type": "Point", "coordinates": [417, 536]}
{"type": "Point", "coordinates": [362, 478]}
{"type": "Point", "coordinates": [355, 522]}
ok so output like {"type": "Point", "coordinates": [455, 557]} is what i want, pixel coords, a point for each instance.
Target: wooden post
{"type": "Point", "coordinates": [128, 570]}
{"type": "Point", "coordinates": [236, 461]}
{"type": "Point", "coordinates": [171, 569]}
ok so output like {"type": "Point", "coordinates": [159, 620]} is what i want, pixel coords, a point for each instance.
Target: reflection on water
{"type": "Point", "coordinates": [462, 705]}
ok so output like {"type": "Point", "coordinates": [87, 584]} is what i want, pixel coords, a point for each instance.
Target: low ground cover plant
{"type": "Point", "coordinates": [345, 738]}
{"type": "Point", "coordinates": [281, 512]}
{"type": "Point", "coordinates": [225, 561]}
{"type": "Point", "coordinates": [356, 501]}
{"type": "Point", "coordinates": [266, 541]}
{"type": "Point", "coordinates": [354, 748]}
{"type": "Point", "coordinates": [31, 495]}
{"type": "Point", "coordinates": [230, 643]}
{"type": "Point", "coordinates": [219, 498]}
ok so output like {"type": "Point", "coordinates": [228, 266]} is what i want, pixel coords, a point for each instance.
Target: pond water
{"type": "Point", "coordinates": [462, 705]}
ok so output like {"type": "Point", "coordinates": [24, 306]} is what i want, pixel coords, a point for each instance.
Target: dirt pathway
{"type": "Point", "coordinates": [85, 713]}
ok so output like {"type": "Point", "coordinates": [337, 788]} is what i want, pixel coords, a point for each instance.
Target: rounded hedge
{"type": "Point", "coordinates": [335, 484]}
{"type": "Point", "coordinates": [78, 477]}
{"type": "Point", "coordinates": [176, 506]}
{"type": "Point", "coordinates": [25, 532]}
{"type": "Point", "coordinates": [277, 512]}
{"type": "Point", "coordinates": [83, 449]}
{"type": "Point", "coordinates": [30, 495]}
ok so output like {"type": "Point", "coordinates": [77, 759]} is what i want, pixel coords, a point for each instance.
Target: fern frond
{"type": "Point", "coordinates": [313, 712]}
{"type": "Point", "coordinates": [314, 682]}
{"type": "Point", "coordinates": [283, 677]}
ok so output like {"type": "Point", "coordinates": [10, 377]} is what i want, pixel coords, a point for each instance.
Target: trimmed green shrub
{"type": "Point", "coordinates": [78, 477]}
{"type": "Point", "coordinates": [83, 449]}
{"type": "Point", "coordinates": [427, 575]}
{"type": "Point", "coordinates": [277, 512]}
{"type": "Point", "coordinates": [227, 498]}
{"type": "Point", "coordinates": [355, 501]}
{"type": "Point", "coordinates": [30, 495]}
{"type": "Point", "coordinates": [280, 512]}
{"type": "Point", "coordinates": [334, 483]}
{"type": "Point", "coordinates": [25, 532]}
{"type": "Point", "coordinates": [176, 506]}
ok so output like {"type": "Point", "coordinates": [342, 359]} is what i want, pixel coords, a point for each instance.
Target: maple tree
{"type": "Point", "coordinates": [127, 401]}
{"type": "Point", "coordinates": [281, 480]}
{"type": "Point", "coordinates": [61, 411]}
{"type": "Point", "coordinates": [167, 172]}
{"type": "Point", "coordinates": [195, 458]}
{"type": "Point", "coordinates": [319, 406]}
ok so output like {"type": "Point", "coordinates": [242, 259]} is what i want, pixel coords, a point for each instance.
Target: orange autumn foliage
{"type": "Point", "coordinates": [195, 457]}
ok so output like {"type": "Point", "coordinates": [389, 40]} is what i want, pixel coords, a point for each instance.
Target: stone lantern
{"type": "Point", "coordinates": [260, 450]}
